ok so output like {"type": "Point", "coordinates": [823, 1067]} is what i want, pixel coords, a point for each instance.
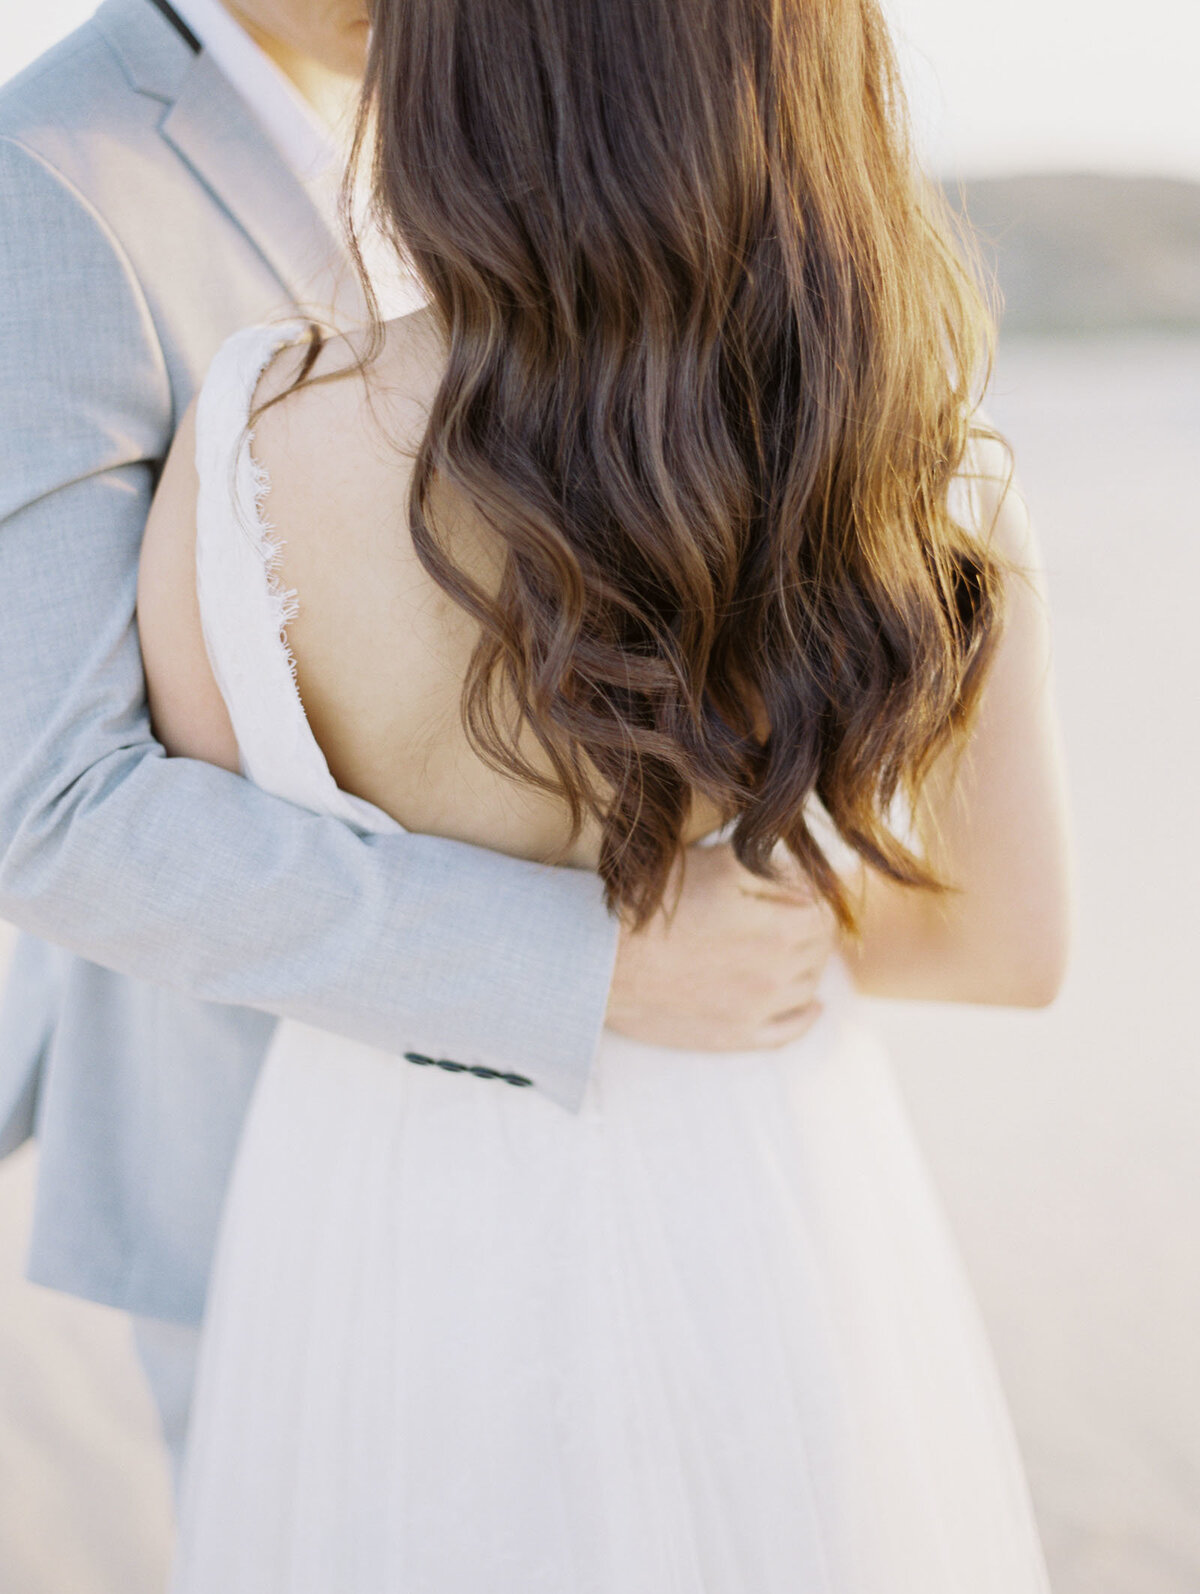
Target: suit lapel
{"type": "Point", "coordinates": [211, 127]}
{"type": "Point", "coordinates": [215, 132]}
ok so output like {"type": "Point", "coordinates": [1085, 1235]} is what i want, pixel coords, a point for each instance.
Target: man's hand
{"type": "Point", "coordinates": [734, 967]}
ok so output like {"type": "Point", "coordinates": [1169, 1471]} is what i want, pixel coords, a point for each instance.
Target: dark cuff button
{"type": "Point", "coordinates": [465, 1068]}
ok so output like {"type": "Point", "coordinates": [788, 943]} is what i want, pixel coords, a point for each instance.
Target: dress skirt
{"type": "Point", "coordinates": [708, 1335]}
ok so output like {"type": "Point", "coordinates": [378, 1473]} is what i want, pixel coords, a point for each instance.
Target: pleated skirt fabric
{"type": "Point", "coordinates": [709, 1335]}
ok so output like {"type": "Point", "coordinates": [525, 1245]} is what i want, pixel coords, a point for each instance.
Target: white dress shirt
{"type": "Point", "coordinates": [315, 150]}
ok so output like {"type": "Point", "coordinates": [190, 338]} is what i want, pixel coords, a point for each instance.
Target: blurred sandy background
{"type": "Point", "coordinates": [1065, 1143]}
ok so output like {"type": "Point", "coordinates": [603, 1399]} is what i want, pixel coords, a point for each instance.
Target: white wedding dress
{"type": "Point", "coordinates": [709, 1335]}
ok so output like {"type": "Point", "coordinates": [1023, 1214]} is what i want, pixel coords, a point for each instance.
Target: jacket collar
{"type": "Point", "coordinates": [214, 131]}
{"type": "Point", "coordinates": [155, 59]}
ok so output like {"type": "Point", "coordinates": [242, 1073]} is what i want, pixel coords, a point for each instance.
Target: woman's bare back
{"type": "Point", "coordinates": [381, 652]}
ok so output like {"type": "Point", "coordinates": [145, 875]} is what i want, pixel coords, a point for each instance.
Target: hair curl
{"type": "Point", "coordinates": [714, 353]}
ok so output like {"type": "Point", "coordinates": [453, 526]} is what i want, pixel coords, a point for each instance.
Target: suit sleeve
{"type": "Point", "coordinates": [172, 870]}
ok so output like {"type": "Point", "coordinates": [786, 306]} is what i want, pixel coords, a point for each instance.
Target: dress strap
{"type": "Point", "coordinates": [244, 607]}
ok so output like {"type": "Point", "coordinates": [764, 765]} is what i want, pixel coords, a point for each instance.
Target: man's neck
{"type": "Point", "coordinates": [331, 95]}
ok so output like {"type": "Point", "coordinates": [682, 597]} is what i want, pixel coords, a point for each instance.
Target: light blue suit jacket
{"type": "Point", "coordinates": [144, 217]}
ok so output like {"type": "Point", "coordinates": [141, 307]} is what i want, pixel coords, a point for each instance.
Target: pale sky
{"type": "Point", "coordinates": [1005, 85]}
{"type": "Point", "coordinates": [1018, 84]}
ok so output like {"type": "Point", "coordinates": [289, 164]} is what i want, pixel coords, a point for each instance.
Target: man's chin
{"type": "Point", "coordinates": [352, 50]}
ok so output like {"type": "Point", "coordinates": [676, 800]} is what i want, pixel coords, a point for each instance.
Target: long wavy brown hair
{"type": "Point", "coordinates": [715, 348]}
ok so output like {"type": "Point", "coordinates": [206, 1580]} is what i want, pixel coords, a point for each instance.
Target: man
{"type": "Point", "coordinates": [164, 180]}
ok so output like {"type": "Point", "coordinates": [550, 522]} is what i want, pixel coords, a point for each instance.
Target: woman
{"type": "Point", "coordinates": [672, 513]}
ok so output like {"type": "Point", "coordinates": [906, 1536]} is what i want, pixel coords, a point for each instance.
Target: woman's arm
{"type": "Point", "coordinates": [993, 824]}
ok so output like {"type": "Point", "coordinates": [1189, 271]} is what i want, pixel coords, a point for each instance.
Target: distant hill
{"type": "Point", "coordinates": [1087, 253]}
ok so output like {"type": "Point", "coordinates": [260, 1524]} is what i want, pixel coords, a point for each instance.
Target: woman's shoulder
{"type": "Point", "coordinates": [334, 428]}
{"type": "Point", "coordinates": [320, 394]}
{"type": "Point", "coordinates": [992, 498]}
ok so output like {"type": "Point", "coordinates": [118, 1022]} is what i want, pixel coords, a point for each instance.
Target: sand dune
{"type": "Point", "coordinates": [1065, 1142]}
{"type": "Point", "coordinates": [1090, 252]}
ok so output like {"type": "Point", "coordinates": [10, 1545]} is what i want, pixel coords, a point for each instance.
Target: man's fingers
{"type": "Point", "coordinates": [800, 989]}
{"type": "Point", "coordinates": [790, 1025]}
{"type": "Point", "coordinates": [786, 895]}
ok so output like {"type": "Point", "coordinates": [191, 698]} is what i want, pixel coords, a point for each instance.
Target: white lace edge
{"type": "Point", "coordinates": [283, 602]}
